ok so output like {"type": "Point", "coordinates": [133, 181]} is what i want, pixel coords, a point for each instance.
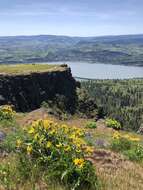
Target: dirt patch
{"type": "Point", "coordinates": [42, 114]}
{"type": "Point", "coordinates": [106, 158]}
{"type": "Point", "coordinates": [33, 116]}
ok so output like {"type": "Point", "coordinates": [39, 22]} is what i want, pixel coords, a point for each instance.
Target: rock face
{"type": "Point", "coordinates": [26, 92]}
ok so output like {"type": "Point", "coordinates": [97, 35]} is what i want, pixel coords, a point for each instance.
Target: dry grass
{"type": "Point", "coordinates": [28, 68]}
{"type": "Point", "coordinates": [128, 176]}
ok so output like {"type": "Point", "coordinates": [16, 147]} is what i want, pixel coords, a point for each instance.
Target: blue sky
{"type": "Point", "coordinates": [71, 17]}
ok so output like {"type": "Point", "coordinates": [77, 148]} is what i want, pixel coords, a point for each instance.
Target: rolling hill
{"type": "Point", "coordinates": [125, 49]}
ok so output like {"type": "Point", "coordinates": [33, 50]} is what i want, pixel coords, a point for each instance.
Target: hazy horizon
{"type": "Point", "coordinates": [71, 18]}
{"type": "Point", "coordinates": [114, 35]}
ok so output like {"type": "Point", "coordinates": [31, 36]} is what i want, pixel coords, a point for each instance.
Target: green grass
{"type": "Point", "coordinates": [27, 68]}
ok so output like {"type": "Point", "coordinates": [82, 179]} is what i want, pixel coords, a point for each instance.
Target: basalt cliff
{"type": "Point", "coordinates": [27, 91]}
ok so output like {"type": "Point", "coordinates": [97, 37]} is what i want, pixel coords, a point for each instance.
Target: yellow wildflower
{"type": "Point", "coordinates": [79, 132]}
{"type": "Point", "coordinates": [78, 150]}
{"type": "Point", "coordinates": [67, 148]}
{"type": "Point", "coordinates": [36, 123]}
{"type": "Point", "coordinates": [65, 128]}
{"type": "Point", "coordinates": [116, 135]}
{"type": "Point", "coordinates": [49, 144]}
{"type": "Point", "coordinates": [79, 162]}
{"type": "Point", "coordinates": [89, 150]}
{"type": "Point", "coordinates": [72, 136]}
{"type": "Point", "coordinates": [79, 142]}
{"type": "Point", "coordinates": [126, 136]}
{"type": "Point", "coordinates": [42, 139]}
{"type": "Point", "coordinates": [29, 149]}
{"type": "Point", "coordinates": [31, 130]}
{"type": "Point", "coordinates": [59, 145]}
{"type": "Point", "coordinates": [135, 139]}
{"type": "Point", "coordinates": [46, 123]}
{"type": "Point", "coordinates": [7, 109]}
{"type": "Point", "coordinates": [52, 132]}
{"type": "Point", "coordinates": [36, 136]}
{"type": "Point", "coordinates": [18, 143]}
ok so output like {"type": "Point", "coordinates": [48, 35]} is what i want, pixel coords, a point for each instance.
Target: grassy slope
{"type": "Point", "coordinates": [113, 169]}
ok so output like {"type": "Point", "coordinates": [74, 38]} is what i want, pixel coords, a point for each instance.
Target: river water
{"type": "Point", "coordinates": [103, 71]}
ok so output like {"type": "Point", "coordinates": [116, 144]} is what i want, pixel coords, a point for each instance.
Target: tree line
{"type": "Point", "coordinates": [119, 99]}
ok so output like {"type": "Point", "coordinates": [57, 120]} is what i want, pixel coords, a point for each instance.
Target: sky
{"type": "Point", "coordinates": [71, 17]}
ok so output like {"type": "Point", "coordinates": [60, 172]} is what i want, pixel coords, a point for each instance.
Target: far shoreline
{"type": "Point", "coordinates": [66, 62]}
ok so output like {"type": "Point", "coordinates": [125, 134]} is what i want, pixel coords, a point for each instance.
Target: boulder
{"type": "Point", "coordinates": [2, 136]}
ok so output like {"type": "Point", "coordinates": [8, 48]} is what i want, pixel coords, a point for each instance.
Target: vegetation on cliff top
{"type": "Point", "coordinates": [28, 68]}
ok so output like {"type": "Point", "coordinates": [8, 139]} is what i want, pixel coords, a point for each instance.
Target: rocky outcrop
{"type": "Point", "coordinates": [27, 91]}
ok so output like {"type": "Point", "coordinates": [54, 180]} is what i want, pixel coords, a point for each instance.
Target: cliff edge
{"type": "Point", "coordinates": [26, 88]}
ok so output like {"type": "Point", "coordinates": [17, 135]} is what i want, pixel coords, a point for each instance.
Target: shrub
{"type": "Point", "coordinates": [61, 153]}
{"type": "Point", "coordinates": [91, 125]}
{"type": "Point", "coordinates": [121, 143]}
{"type": "Point", "coordinates": [112, 123]}
{"type": "Point", "coordinates": [86, 106]}
{"type": "Point", "coordinates": [128, 145]}
{"type": "Point", "coordinates": [6, 113]}
{"type": "Point", "coordinates": [136, 153]}
{"type": "Point", "coordinates": [8, 144]}
{"type": "Point", "coordinates": [57, 109]}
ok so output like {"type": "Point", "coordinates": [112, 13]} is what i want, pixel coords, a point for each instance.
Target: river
{"type": "Point", "coordinates": [103, 71]}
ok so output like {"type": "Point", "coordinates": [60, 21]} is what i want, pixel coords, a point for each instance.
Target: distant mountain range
{"type": "Point", "coordinates": [124, 49]}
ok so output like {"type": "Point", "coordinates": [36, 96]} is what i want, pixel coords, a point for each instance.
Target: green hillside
{"type": "Point", "coordinates": [120, 99]}
{"type": "Point", "coordinates": [126, 50]}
